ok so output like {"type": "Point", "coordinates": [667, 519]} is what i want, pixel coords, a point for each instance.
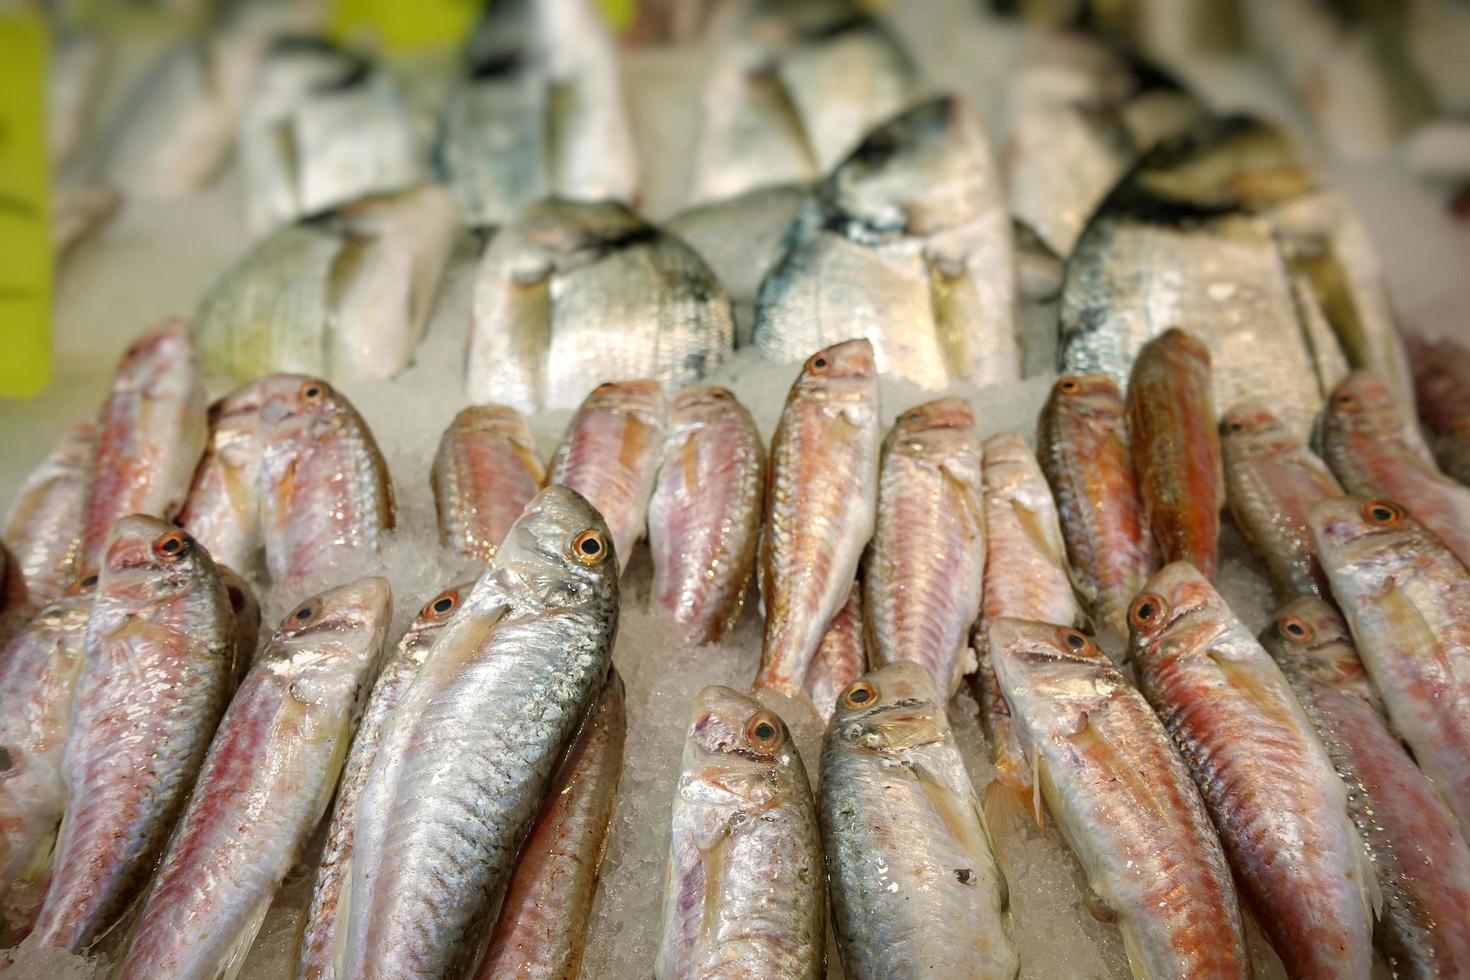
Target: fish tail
{"type": "Point", "coordinates": [1007, 800]}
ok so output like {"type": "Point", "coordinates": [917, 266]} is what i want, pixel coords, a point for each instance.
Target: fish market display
{"type": "Point", "coordinates": [745, 893]}
{"type": "Point", "coordinates": [323, 126]}
{"type": "Point", "coordinates": [821, 499]}
{"type": "Point", "coordinates": [1176, 448]}
{"type": "Point", "coordinates": [326, 499]}
{"type": "Point", "coordinates": [264, 785]}
{"type": "Point", "coordinates": [841, 657]}
{"type": "Point", "coordinates": [38, 677]}
{"type": "Point", "coordinates": [1376, 451]}
{"type": "Point", "coordinates": [1407, 599]}
{"type": "Point", "coordinates": [907, 243]}
{"type": "Point", "coordinates": [156, 674]}
{"type": "Point", "coordinates": [925, 568]}
{"type": "Point", "coordinates": [704, 515]}
{"type": "Point", "coordinates": [538, 112]}
{"type": "Point", "coordinates": [485, 471]}
{"type": "Point", "coordinates": [345, 294]}
{"type": "Point", "coordinates": [611, 454]}
{"type": "Point", "coordinates": [1272, 480]}
{"type": "Point", "coordinates": [739, 237]}
{"type": "Point", "coordinates": [915, 885]}
{"type": "Point", "coordinates": [44, 528]}
{"type": "Point", "coordinates": [1442, 389]}
{"type": "Point", "coordinates": [467, 757]}
{"type": "Point", "coordinates": [794, 87]}
{"type": "Point", "coordinates": [223, 509]}
{"type": "Point", "coordinates": [543, 922]}
{"type": "Point", "coordinates": [322, 929]}
{"type": "Point", "coordinates": [1082, 445]}
{"type": "Point", "coordinates": [1280, 807]}
{"type": "Point", "coordinates": [151, 432]}
{"type": "Point", "coordinates": [1422, 862]}
{"type": "Point", "coordinates": [1125, 803]}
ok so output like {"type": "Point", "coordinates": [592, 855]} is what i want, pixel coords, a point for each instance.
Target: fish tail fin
{"type": "Point", "coordinates": [1005, 805]}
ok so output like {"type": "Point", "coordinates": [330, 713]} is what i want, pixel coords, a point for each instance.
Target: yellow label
{"type": "Point", "coordinates": [619, 13]}
{"type": "Point", "coordinates": [407, 26]}
{"type": "Point", "coordinates": [25, 229]}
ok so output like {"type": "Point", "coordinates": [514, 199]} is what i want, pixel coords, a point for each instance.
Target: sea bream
{"type": "Point", "coordinates": [466, 759]}
{"type": "Point", "coordinates": [485, 471]}
{"type": "Point", "coordinates": [906, 243]}
{"type": "Point", "coordinates": [223, 508]}
{"type": "Point", "coordinates": [44, 528]}
{"type": "Point", "coordinates": [264, 786]}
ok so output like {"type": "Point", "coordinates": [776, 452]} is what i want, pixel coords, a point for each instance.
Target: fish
{"type": "Point", "coordinates": [1442, 390]}
{"type": "Point", "coordinates": [1377, 451]}
{"type": "Point", "coordinates": [915, 884]}
{"type": "Point", "coordinates": [467, 757]}
{"type": "Point", "coordinates": [1267, 781]}
{"type": "Point", "coordinates": [543, 922]}
{"type": "Point", "coordinates": [345, 294]}
{"type": "Point", "coordinates": [1176, 448]}
{"type": "Point", "coordinates": [610, 455]}
{"type": "Point", "coordinates": [1271, 482]}
{"type": "Point", "coordinates": [1026, 571]}
{"type": "Point", "coordinates": [151, 432]}
{"type": "Point", "coordinates": [264, 786]}
{"type": "Point", "coordinates": [157, 671]}
{"type": "Point", "coordinates": [222, 511]}
{"type": "Point", "coordinates": [1124, 801]}
{"type": "Point", "coordinates": [44, 527]}
{"type": "Point", "coordinates": [326, 496]}
{"type": "Point", "coordinates": [924, 571]}
{"type": "Point", "coordinates": [1406, 598]}
{"type": "Point", "coordinates": [705, 513]}
{"type": "Point", "coordinates": [484, 473]}
{"type": "Point", "coordinates": [1422, 861]}
{"type": "Point", "coordinates": [745, 892]}
{"type": "Point", "coordinates": [320, 950]}
{"type": "Point", "coordinates": [569, 292]}
{"type": "Point", "coordinates": [841, 657]}
{"type": "Point", "coordinates": [245, 621]}
{"type": "Point", "coordinates": [739, 237]}
{"type": "Point", "coordinates": [39, 669]}
{"type": "Point", "coordinates": [903, 243]}
{"type": "Point", "coordinates": [1082, 447]}
{"type": "Point", "coordinates": [820, 507]}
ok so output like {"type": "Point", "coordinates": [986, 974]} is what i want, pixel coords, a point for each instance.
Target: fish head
{"type": "Point", "coordinates": [433, 617]}
{"type": "Point", "coordinates": [943, 413]}
{"type": "Point", "coordinates": [495, 420]}
{"type": "Point", "coordinates": [240, 409]}
{"type": "Point", "coordinates": [1362, 404]}
{"type": "Point", "coordinates": [148, 561]}
{"type": "Point", "coordinates": [641, 397]}
{"type": "Point", "coordinates": [845, 373]}
{"type": "Point", "coordinates": [1367, 540]}
{"type": "Point", "coordinates": [1310, 635]}
{"type": "Point", "coordinates": [939, 428]}
{"type": "Point", "coordinates": [738, 745]}
{"type": "Point", "coordinates": [558, 553]}
{"type": "Point", "coordinates": [1250, 429]}
{"type": "Point", "coordinates": [697, 403]}
{"type": "Point", "coordinates": [1177, 346]}
{"type": "Point", "coordinates": [1088, 396]}
{"type": "Point", "coordinates": [1227, 163]}
{"type": "Point", "coordinates": [1178, 611]}
{"type": "Point", "coordinates": [1055, 662]}
{"type": "Point", "coordinates": [297, 407]}
{"type": "Point", "coordinates": [338, 629]}
{"type": "Point", "coordinates": [890, 709]}
{"type": "Point", "coordinates": [161, 362]}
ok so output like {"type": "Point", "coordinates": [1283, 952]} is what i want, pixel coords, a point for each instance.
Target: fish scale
{"type": "Point", "coordinates": [44, 528]}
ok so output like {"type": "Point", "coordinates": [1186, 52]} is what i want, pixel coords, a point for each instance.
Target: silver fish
{"type": "Point", "coordinates": [467, 757]}
{"type": "Point", "coordinates": [908, 244]}
{"type": "Point", "coordinates": [223, 508]}
{"type": "Point", "coordinates": [745, 892]}
{"type": "Point", "coordinates": [264, 786]}
{"type": "Point", "coordinates": [44, 528]}
{"type": "Point", "coordinates": [740, 237]}
{"type": "Point", "coordinates": [915, 885]}
{"type": "Point", "coordinates": [484, 473]}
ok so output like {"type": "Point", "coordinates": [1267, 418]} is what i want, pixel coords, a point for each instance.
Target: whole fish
{"type": "Point", "coordinates": [1013, 791]}
{"type": "Point", "coordinates": [1407, 599]}
{"type": "Point", "coordinates": [745, 892]}
{"type": "Point", "coordinates": [1026, 573]}
{"type": "Point", "coordinates": [1442, 389]}
{"type": "Point", "coordinates": [264, 786]}
{"type": "Point", "coordinates": [1271, 482]}
{"type": "Point", "coordinates": [740, 237]}
{"type": "Point", "coordinates": [543, 922]}
{"type": "Point", "coordinates": [467, 757]}
{"type": "Point", "coordinates": [1082, 445]}
{"type": "Point", "coordinates": [573, 291]}
{"type": "Point", "coordinates": [1376, 451]}
{"type": "Point", "coordinates": [610, 455]}
{"type": "Point", "coordinates": [44, 528]}
{"type": "Point", "coordinates": [223, 509]}
{"type": "Point", "coordinates": [705, 512]}
{"type": "Point", "coordinates": [903, 243]}
{"type": "Point", "coordinates": [1422, 862]}
{"type": "Point", "coordinates": [820, 504]}
{"type": "Point", "coordinates": [39, 668]}
{"type": "Point", "coordinates": [151, 432]}
{"type": "Point", "coordinates": [1280, 808]}
{"type": "Point", "coordinates": [915, 885]}
{"type": "Point", "coordinates": [323, 930]}
{"type": "Point", "coordinates": [1176, 448]}
{"type": "Point", "coordinates": [156, 675]}
{"type": "Point", "coordinates": [1124, 801]}
{"type": "Point", "coordinates": [326, 499]}
{"type": "Point", "coordinates": [924, 571]}
{"type": "Point", "coordinates": [841, 657]}
{"type": "Point", "coordinates": [485, 471]}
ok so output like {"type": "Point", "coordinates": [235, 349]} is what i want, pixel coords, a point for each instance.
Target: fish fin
{"type": "Point", "coordinates": [1036, 807]}
{"type": "Point", "coordinates": [1004, 807]}
{"type": "Point", "coordinates": [234, 956]}
{"type": "Point", "coordinates": [1372, 894]}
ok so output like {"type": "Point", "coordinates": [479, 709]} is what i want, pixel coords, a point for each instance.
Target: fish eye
{"type": "Point", "coordinates": [763, 731]}
{"type": "Point", "coordinates": [858, 694]}
{"type": "Point", "coordinates": [1294, 628]}
{"type": "Point", "coordinates": [1073, 639]}
{"type": "Point", "coordinates": [1069, 386]}
{"type": "Point", "coordinates": [1235, 424]}
{"type": "Point", "coordinates": [1381, 513]}
{"type": "Point", "coordinates": [818, 364]}
{"type": "Point", "coordinates": [173, 544]}
{"type": "Point", "coordinates": [720, 394]}
{"type": "Point", "coordinates": [913, 415]}
{"type": "Point", "coordinates": [604, 388]}
{"type": "Point", "coordinates": [441, 605]}
{"type": "Point", "coordinates": [303, 613]}
{"type": "Point", "coordinates": [590, 547]}
{"type": "Point", "coordinates": [1345, 399]}
{"type": "Point", "coordinates": [89, 581]}
{"type": "Point", "coordinates": [312, 391]}
{"type": "Point", "coordinates": [1146, 610]}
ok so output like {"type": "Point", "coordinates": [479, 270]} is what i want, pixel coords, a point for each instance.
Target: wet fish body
{"type": "Point", "coordinates": [740, 237]}
{"type": "Point", "coordinates": [485, 471]}
{"type": "Point", "coordinates": [1026, 574]}
{"type": "Point", "coordinates": [223, 508]}
{"type": "Point", "coordinates": [44, 528]}
{"type": "Point", "coordinates": [1441, 379]}
{"type": "Point", "coordinates": [841, 657]}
